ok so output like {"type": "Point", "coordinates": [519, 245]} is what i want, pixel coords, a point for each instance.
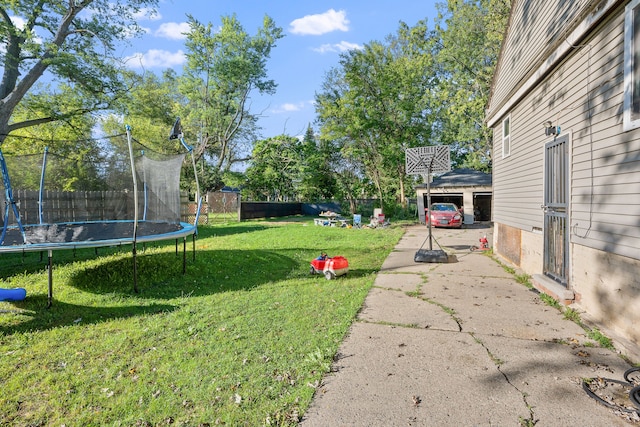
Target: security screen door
{"type": "Point", "coordinates": [556, 204]}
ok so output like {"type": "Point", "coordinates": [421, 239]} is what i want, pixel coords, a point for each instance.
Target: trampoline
{"type": "Point", "coordinates": [120, 193]}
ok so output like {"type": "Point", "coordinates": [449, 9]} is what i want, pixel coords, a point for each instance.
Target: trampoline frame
{"type": "Point", "coordinates": [184, 230]}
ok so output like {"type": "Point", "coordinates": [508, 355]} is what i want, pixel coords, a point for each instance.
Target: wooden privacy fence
{"type": "Point", "coordinates": [223, 206]}
{"type": "Point", "coordinates": [72, 206]}
{"type": "Point", "coordinates": [188, 211]}
{"type": "Point", "coordinates": [79, 206]}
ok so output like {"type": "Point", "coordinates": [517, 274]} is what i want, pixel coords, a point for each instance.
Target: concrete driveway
{"type": "Point", "coordinates": [464, 344]}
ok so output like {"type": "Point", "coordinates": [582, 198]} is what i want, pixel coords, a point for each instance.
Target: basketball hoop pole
{"type": "Point", "coordinates": [429, 166]}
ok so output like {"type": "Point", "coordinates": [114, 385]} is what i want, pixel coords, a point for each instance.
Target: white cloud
{"type": "Point", "coordinates": [156, 58]}
{"type": "Point", "coordinates": [320, 23]}
{"type": "Point", "coordinates": [147, 13]}
{"type": "Point", "coordinates": [291, 107]}
{"type": "Point", "coordinates": [173, 30]}
{"type": "Point", "coordinates": [18, 22]}
{"type": "Point", "coordinates": [338, 47]}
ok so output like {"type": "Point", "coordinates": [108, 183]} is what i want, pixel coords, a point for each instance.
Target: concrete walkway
{"type": "Point", "coordinates": [462, 344]}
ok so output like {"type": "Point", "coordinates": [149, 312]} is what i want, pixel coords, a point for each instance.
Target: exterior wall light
{"type": "Point", "coordinates": [550, 129]}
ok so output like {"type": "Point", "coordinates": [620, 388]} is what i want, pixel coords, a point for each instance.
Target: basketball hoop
{"type": "Point", "coordinates": [424, 161]}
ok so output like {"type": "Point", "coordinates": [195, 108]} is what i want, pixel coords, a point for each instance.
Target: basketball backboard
{"type": "Point", "coordinates": [430, 159]}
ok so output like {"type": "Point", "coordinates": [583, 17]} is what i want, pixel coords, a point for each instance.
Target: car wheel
{"type": "Point", "coordinates": [329, 275]}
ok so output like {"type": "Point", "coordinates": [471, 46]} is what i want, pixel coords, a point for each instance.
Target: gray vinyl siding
{"type": "Point", "coordinates": [535, 26]}
{"type": "Point", "coordinates": [605, 203]}
{"type": "Point", "coordinates": [517, 179]}
{"type": "Point", "coordinates": [605, 160]}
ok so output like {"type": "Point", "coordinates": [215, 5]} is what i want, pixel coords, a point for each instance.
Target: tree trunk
{"type": "Point", "coordinates": [403, 199]}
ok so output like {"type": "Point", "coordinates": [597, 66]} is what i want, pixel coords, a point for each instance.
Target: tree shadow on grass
{"type": "Point", "coordinates": [12, 264]}
{"type": "Point", "coordinates": [62, 314]}
{"type": "Point", "coordinates": [160, 282]}
{"type": "Point", "coordinates": [160, 285]}
{"type": "Point", "coordinates": [159, 275]}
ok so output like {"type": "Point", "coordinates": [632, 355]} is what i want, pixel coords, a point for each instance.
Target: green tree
{"type": "Point", "coordinates": [377, 104]}
{"type": "Point", "coordinates": [274, 169]}
{"type": "Point", "coordinates": [223, 68]}
{"type": "Point", "coordinates": [419, 87]}
{"type": "Point", "coordinates": [350, 183]}
{"type": "Point", "coordinates": [150, 108]}
{"type": "Point", "coordinates": [75, 42]}
{"type": "Point", "coordinates": [468, 39]}
{"type": "Point", "coordinates": [73, 154]}
{"type": "Point", "coordinates": [317, 180]}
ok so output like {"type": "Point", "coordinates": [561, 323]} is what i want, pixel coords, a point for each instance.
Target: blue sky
{"type": "Point", "coordinates": [315, 34]}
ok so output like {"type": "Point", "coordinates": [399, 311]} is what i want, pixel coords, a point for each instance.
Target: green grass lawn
{"type": "Point", "coordinates": [243, 338]}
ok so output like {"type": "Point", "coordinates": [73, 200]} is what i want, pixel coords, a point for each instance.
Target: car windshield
{"type": "Point", "coordinates": [441, 207]}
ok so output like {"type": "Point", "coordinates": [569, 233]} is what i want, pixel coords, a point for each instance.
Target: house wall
{"type": "Point", "coordinates": [583, 94]}
{"type": "Point", "coordinates": [584, 97]}
{"type": "Point", "coordinates": [534, 30]}
{"type": "Point", "coordinates": [610, 293]}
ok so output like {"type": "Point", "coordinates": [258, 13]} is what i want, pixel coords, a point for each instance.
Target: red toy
{"type": "Point", "coordinates": [331, 267]}
{"type": "Point", "coordinates": [484, 245]}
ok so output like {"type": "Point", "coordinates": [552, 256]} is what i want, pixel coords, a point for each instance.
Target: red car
{"type": "Point", "coordinates": [444, 215]}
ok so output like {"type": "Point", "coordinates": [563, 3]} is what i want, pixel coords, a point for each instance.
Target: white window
{"type": "Point", "coordinates": [631, 116]}
{"type": "Point", "coordinates": [506, 138]}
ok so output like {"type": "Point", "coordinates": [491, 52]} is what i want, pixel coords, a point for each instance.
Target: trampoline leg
{"type": "Point", "coordinates": [135, 270]}
{"type": "Point", "coordinates": [184, 255]}
{"type": "Point", "coordinates": [193, 239]}
{"type": "Point", "coordinates": [50, 293]}
{"type": "Point", "coordinates": [176, 247]}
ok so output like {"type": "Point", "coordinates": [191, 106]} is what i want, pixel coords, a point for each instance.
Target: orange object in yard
{"type": "Point", "coordinates": [331, 267]}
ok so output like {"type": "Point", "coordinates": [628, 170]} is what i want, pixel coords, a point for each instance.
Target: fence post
{"type": "Point", "coordinates": [239, 205]}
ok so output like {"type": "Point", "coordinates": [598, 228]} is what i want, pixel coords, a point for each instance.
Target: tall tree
{"type": "Point", "coordinates": [418, 88]}
{"type": "Point", "coordinates": [150, 108]}
{"type": "Point", "coordinates": [73, 40]}
{"type": "Point", "coordinates": [275, 168]}
{"type": "Point", "coordinates": [316, 180]}
{"type": "Point", "coordinates": [469, 35]}
{"type": "Point", "coordinates": [223, 68]}
{"type": "Point", "coordinates": [378, 104]}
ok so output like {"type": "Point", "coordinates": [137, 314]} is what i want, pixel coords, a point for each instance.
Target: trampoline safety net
{"type": "Point", "coordinates": [58, 197]}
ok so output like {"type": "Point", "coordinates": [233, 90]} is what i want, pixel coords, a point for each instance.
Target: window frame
{"type": "Point", "coordinates": [630, 119]}
{"type": "Point", "coordinates": [506, 136]}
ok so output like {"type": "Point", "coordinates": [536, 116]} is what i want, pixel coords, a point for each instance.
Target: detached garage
{"type": "Point", "coordinates": [467, 188]}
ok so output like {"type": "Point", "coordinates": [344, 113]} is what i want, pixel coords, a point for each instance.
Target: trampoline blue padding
{"type": "Point", "coordinates": [61, 236]}
{"type": "Point", "coordinates": [15, 294]}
